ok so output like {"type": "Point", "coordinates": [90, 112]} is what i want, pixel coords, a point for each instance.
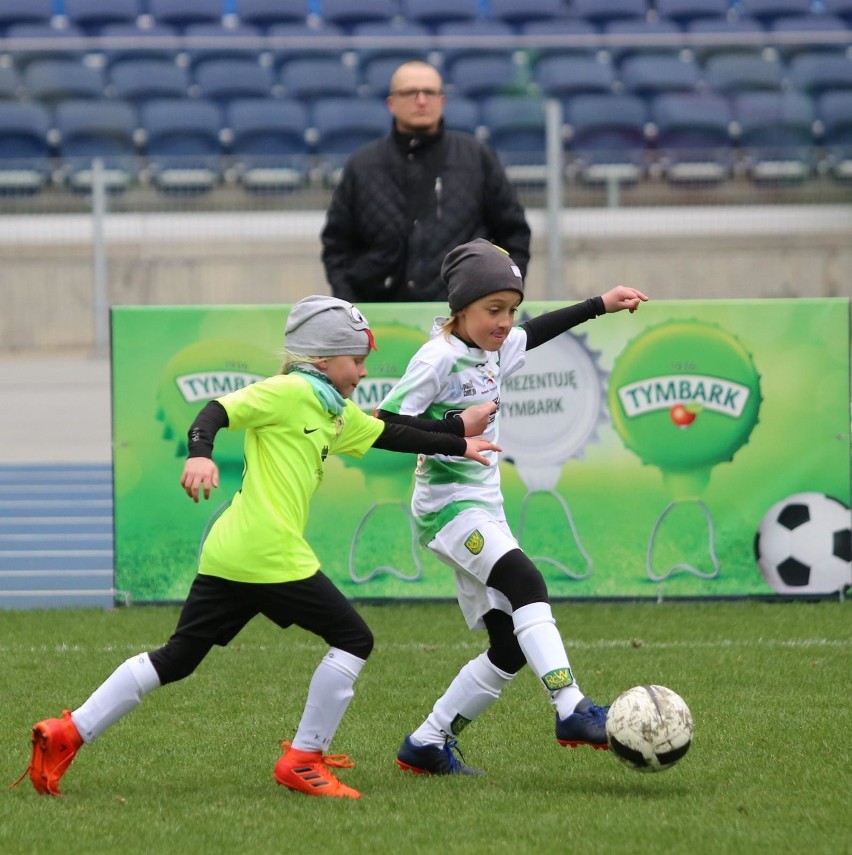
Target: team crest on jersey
{"type": "Point", "coordinates": [475, 542]}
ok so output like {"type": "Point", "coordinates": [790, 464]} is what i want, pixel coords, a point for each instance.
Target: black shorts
{"type": "Point", "coordinates": [217, 609]}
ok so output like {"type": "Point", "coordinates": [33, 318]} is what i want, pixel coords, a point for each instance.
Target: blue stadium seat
{"type": "Point", "coordinates": [24, 147]}
{"type": "Point", "coordinates": [131, 41]}
{"type": "Point", "coordinates": [729, 74]}
{"type": "Point", "coordinates": [834, 110]}
{"type": "Point", "coordinates": [518, 13]}
{"type": "Point", "coordinates": [11, 86]}
{"type": "Point", "coordinates": [708, 37]}
{"type": "Point", "coordinates": [182, 13]}
{"type": "Point", "coordinates": [25, 12]}
{"type": "Point", "coordinates": [342, 125]}
{"type": "Point", "coordinates": [462, 114]}
{"type": "Point", "coordinates": [776, 132]}
{"type": "Point", "coordinates": [565, 76]}
{"type": "Point", "coordinates": [55, 43]}
{"type": "Point", "coordinates": [399, 42]}
{"type": "Point", "coordinates": [660, 37]}
{"type": "Point", "coordinates": [267, 13]}
{"type": "Point", "coordinates": [650, 75]}
{"type": "Point", "coordinates": [827, 33]}
{"type": "Point", "coordinates": [346, 14]}
{"type": "Point", "coordinates": [433, 13]}
{"type": "Point", "coordinates": [552, 38]}
{"type": "Point", "coordinates": [693, 137]}
{"type": "Point", "coordinates": [815, 73]}
{"type": "Point", "coordinates": [480, 76]}
{"type": "Point", "coordinates": [203, 42]}
{"type": "Point", "coordinates": [92, 15]}
{"type": "Point", "coordinates": [377, 75]}
{"type": "Point", "coordinates": [478, 37]}
{"type": "Point", "coordinates": [606, 135]}
{"type": "Point", "coordinates": [841, 8]}
{"type": "Point", "coordinates": [97, 129]}
{"type": "Point", "coordinates": [52, 80]}
{"type": "Point", "coordinates": [766, 11]}
{"type": "Point", "coordinates": [182, 142]}
{"type": "Point", "coordinates": [269, 143]}
{"type": "Point", "coordinates": [223, 80]}
{"type": "Point", "coordinates": [303, 41]}
{"type": "Point", "coordinates": [684, 12]}
{"type": "Point", "coordinates": [307, 79]}
{"type": "Point", "coordinates": [140, 80]}
{"type": "Point", "coordinates": [602, 12]}
{"type": "Point", "coordinates": [516, 131]}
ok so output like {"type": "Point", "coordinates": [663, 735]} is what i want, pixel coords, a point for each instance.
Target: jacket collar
{"type": "Point", "coordinates": [408, 143]}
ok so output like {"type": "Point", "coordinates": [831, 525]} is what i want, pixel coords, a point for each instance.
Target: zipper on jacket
{"type": "Point", "coordinates": [439, 186]}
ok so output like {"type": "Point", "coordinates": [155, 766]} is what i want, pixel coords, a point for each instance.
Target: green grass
{"type": "Point", "coordinates": [190, 771]}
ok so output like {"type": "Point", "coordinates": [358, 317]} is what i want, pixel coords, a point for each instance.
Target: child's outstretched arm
{"type": "Point", "coordinates": [623, 297]}
{"type": "Point", "coordinates": [412, 440]}
{"type": "Point", "coordinates": [199, 471]}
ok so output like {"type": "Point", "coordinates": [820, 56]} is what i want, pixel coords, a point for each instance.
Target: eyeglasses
{"type": "Point", "coordinates": [411, 94]}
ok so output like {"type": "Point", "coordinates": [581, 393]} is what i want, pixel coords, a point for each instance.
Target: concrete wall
{"type": "Point", "coordinates": [49, 292]}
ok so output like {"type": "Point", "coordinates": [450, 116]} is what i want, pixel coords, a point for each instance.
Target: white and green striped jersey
{"type": "Point", "coordinates": [447, 376]}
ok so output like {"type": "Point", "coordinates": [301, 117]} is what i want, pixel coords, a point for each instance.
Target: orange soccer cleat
{"type": "Point", "coordinates": [308, 772]}
{"type": "Point", "coordinates": [55, 744]}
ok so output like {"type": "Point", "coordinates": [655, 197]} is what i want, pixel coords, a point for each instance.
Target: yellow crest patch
{"type": "Point", "coordinates": [475, 542]}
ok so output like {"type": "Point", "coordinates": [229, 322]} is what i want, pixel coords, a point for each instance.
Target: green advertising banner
{"type": "Point", "coordinates": [694, 449]}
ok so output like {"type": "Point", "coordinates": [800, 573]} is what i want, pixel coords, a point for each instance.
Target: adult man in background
{"type": "Point", "coordinates": [405, 200]}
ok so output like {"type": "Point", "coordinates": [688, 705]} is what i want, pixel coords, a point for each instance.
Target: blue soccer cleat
{"type": "Point", "coordinates": [432, 760]}
{"type": "Point", "coordinates": [585, 726]}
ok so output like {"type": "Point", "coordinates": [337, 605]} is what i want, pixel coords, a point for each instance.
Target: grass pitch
{"type": "Point", "coordinates": [190, 771]}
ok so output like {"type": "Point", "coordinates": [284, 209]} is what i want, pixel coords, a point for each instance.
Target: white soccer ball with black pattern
{"type": "Point", "coordinates": [804, 545]}
{"type": "Point", "coordinates": [649, 728]}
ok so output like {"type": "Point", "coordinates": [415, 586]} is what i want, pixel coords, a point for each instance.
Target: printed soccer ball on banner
{"type": "Point", "coordinates": [649, 728]}
{"type": "Point", "coordinates": [804, 545]}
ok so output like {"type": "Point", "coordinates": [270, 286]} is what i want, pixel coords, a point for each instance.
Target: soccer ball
{"type": "Point", "coordinates": [804, 545]}
{"type": "Point", "coordinates": [649, 728]}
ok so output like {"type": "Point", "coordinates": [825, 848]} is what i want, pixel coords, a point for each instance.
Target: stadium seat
{"type": "Point", "coordinates": [97, 129]}
{"type": "Point", "coordinates": [398, 42]}
{"type": "Point", "coordinates": [480, 76]}
{"type": "Point", "coordinates": [25, 12]}
{"type": "Point", "coordinates": [516, 131]}
{"type": "Point", "coordinates": [377, 75]}
{"type": "Point", "coordinates": [92, 15]}
{"type": "Point", "coordinates": [602, 12]}
{"type": "Point", "coordinates": [304, 41]}
{"type": "Point", "coordinates": [433, 13]}
{"type": "Point", "coordinates": [834, 110]}
{"type": "Point", "coordinates": [56, 43]}
{"type": "Point", "coordinates": [650, 75]}
{"type": "Point", "coordinates": [479, 37]}
{"type": "Point", "coordinates": [606, 136]}
{"type": "Point", "coordinates": [52, 80]}
{"type": "Point", "coordinates": [204, 42]}
{"type": "Point", "coordinates": [11, 86]}
{"type": "Point", "coordinates": [766, 11]}
{"type": "Point", "coordinates": [342, 125]}
{"type": "Point", "coordinates": [307, 79]}
{"type": "Point", "coordinates": [269, 143]}
{"type": "Point", "coordinates": [815, 73]}
{"type": "Point", "coordinates": [707, 37]}
{"type": "Point", "coordinates": [684, 12]}
{"type": "Point", "coordinates": [181, 13]}
{"type": "Point", "coordinates": [130, 41]}
{"type": "Point", "coordinates": [827, 33]}
{"type": "Point", "coordinates": [182, 142]}
{"type": "Point", "coordinates": [693, 137]}
{"type": "Point", "coordinates": [462, 114]}
{"type": "Point", "coordinates": [565, 76]}
{"type": "Point", "coordinates": [662, 38]}
{"type": "Point", "coordinates": [223, 80]}
{"type": "Point", "coordinates": [730, 74]}
{"type": "Point", "coordinates": [347, 14]}
{"type": "Point", "coordinates": [776, 133]}
{"type": "Point", "coordinates": [841, 8]}
{"type": "Point", "coordinates": [518, 13]}
{"type": "Point", "coordinates": [553, 38]}
{"type": "Point", "coordinates": [24, 147]}
{"type": "Point", "coordinates": [266, 13]}
{"type": "Point", "coordinates": [140, 80]}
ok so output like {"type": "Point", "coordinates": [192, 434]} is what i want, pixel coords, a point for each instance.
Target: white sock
{"type": "Point", "coordinates": [329, 695]}
{"type": "Point", "coordinates": [535, 629]}
{"type": "Point", "coordinates": [120, 693]}
{"type": "Point", "coordinates": [476, 687]}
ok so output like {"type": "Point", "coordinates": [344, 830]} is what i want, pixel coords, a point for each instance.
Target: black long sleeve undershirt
{"type": "Point", "coordinates": [551, 324]}
{"type": "Point", "coordinates": [202, 432]}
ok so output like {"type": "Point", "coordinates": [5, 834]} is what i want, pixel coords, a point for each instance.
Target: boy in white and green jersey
{"type": "Point", "coordinates": [459, 508]}
{"type": "Point", "coordinates": [255, 559]}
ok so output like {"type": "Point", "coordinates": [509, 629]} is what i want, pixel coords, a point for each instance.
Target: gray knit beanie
{"type": "Point", "coordinates": [476, 269]}
{"type": "Point", "coordinates": [326, 326]}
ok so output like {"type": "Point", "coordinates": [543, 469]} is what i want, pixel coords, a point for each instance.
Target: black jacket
{"type": "Point", "coordinates": [403, 203]}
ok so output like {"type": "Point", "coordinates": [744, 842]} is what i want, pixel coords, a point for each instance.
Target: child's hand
{"type": "Point", "coordinates": [199, 472]}
{"type": "Point", "coordinates": [476, 418]}
{"type": "Point", "coordinates": [622, 297]}
{"type": "Point", "coordinates": [475, 445]}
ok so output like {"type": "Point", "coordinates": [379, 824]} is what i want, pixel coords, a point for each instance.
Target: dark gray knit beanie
{"type": "Point", "coordinates": [475, 269]}
{"type": "Point", "coordinates": [326, 326]}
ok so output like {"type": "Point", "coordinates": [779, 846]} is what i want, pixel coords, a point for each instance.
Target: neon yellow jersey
{"type": "Point", "coordinates": [260, 537]}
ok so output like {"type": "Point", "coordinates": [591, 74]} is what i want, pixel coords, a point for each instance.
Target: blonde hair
{"type": "Point", "coordinates": [450, 325]}
{"type": "Point", "coordinates": [290, 358]}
